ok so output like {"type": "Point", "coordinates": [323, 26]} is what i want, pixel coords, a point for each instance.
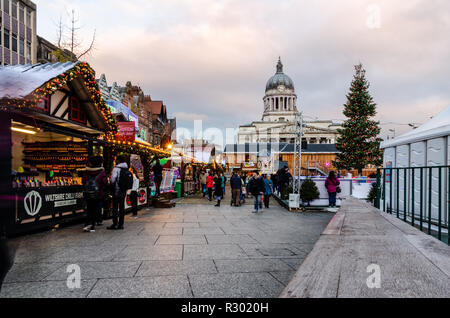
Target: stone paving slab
{"type": "Point", "coordinates": [182, 225]}
{"type": "Point", "coordinates": [219, 251]}
{"type": "Point", "coordinates": [55, 289]}
{"type": "Point", "coordinates": [175, 252]}
{"type": "Point", "coordinates": [181, 239]}
{"type": "Point", "coordinates": [132, 239]}
{"type": "Point", "coordinates": [283, 277]}
{"type": "Point", "coordinates": [162, 231]}
{"type": "Point", "coordinates": [251, 265]}
{"type": "Point", "coordinates": [184, 267]}
{"type": "Point", "coordinates": [236, 285]}
{"type": "Point", "coordinates": [158, 252]}
{"type": "Point", "coordinates": [80, 254]}
{"type": "Point", "coordinates": [31, 272]}
{"type": "Point", "coordinates": [272, 250]}
{"type": "Point", "coordinates": [202, 230]}
{"type": "Point", "coordinates": [294, 263]}
{"type": "Point", "coordinates": [230, 239]}
{"type": "Point", "coordinates": [142, 287]}
{"type": "Point", "coordinates": [90, 270]}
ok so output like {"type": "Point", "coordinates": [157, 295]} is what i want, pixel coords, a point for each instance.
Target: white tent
{"type": "Point", "coordinates": [426, 146]}
{"type": "Point", "coordinates": [439, 126]}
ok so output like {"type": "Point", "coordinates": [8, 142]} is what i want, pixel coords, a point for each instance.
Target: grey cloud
{"type": "Point", "coordinates": [215, 57]}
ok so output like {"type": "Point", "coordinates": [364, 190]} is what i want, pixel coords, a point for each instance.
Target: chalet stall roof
{"type": "Point", "coordinates": [438, 126]}
{"type": "Point", "coordinates": [277, 148]}
{"type": "Point", "coordinates": [22, 86]}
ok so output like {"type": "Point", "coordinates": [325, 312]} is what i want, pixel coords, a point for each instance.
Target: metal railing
{"type": "Point", "coordinates": [417, 195]}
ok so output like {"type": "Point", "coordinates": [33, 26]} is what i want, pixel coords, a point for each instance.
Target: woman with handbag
{"type": "Point", "coordinates": [332, 184]}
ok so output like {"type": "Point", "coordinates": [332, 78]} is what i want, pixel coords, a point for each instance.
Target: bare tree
{"type": "Point", "coordinates": [70, 48]}
{"type": "Point", "coordinates": [60, 32]}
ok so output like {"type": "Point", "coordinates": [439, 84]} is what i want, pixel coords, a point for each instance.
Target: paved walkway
{"type": "Point", "coordinates": [411, 263]}
{"type": "Point", "coordinates": [192, 250]}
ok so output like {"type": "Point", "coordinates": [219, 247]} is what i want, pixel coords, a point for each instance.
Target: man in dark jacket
{"type": "Point", "coordinates": [256, 188]}
{"type": "Point", "coordinates": [118, 195]}
{"type": "Point", "coordinates": [95, 182]}
{"type": "Point", "coordinates": [218, 188]}
{"type": "Point", "coordinates": [236, 187]}
{"type": "Point", "coordinates": [158, 173]}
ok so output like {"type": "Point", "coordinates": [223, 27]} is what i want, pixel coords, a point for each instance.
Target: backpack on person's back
{"type": "Point", "coordinates": [91, 189]}
{"type": "Point", "coordinates": [125, 180]}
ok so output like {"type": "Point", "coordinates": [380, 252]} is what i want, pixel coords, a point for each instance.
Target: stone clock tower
{"type": "Point", "coordinates": [280, 100]}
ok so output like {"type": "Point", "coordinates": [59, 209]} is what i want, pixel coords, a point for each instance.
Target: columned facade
{"type": "Point", "coordinates": [280, 113]}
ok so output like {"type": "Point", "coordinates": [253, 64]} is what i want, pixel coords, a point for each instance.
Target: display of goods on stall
{"type": "Point", "coordinates": [188, 173]}
{"type": "Point", "coordinates": [55, 156]}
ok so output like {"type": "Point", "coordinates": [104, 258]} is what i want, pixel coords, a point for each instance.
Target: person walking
{"type": "Point", "coordinates": [236, 188]}
{"type": "Point", "coordinates": [224, 182]}
{"type": "Point", "coordinates": [158, 174]}
{"type": "Point", "coordinates": [218, 192]}
{"type": "Point", "coordinates": [203, 177]}
{"type": "Point", "coordinates": [94, 181]}
{"type": "Point", "coordinates": [134, 193]}
{"type": "Point", "coordinates": [243, 188]}
{"type": "Point", "coordinates": [268, 190]}
{"type": "Point", "coordinates": [120, 175]}
{"type": "Point", "coordinates": [210, 185]}
{"type": "Point", "coordinates": [331, 184]}
{"type": "Point", "coordinates": [256, 188]}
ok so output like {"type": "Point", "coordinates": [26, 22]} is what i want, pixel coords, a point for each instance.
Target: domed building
{"type": "Point", "coordinates": [280, 114]}
{"type": "Point", "coordinates": [280, 101]}
{"type": "Point", "coordinates": [269, 141]}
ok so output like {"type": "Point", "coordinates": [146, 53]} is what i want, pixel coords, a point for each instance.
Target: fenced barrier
{"type": "Point", "coordinates": [356, 187]}
{"type": "Point", "coordinates": [417, 195]}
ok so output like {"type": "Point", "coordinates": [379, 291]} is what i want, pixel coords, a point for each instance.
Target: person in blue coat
{"type": "Point", "coordinates": [268, 190]}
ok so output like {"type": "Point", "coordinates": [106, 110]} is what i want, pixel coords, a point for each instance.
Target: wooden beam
{"type": "Point", "coordinates": [59, 104]}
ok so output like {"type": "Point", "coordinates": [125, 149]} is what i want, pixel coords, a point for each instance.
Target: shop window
{"type": "Point", "coordinates": [44, 103]}
{"type": "Point", "coordinates": [77, 112]}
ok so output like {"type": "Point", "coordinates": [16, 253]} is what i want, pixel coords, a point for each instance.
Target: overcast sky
{"type": "Point", "coordinates": [210, 60]}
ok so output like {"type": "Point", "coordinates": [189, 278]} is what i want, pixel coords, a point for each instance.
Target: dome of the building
{"type": "Point", "coordinates": [279, 79]}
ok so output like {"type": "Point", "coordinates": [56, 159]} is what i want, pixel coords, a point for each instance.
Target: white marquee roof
{"type": "Point", "coordinates": [438, 126]}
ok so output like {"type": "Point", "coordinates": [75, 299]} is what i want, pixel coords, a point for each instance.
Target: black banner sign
{"type": "Point", "coordinates": [38, 202]}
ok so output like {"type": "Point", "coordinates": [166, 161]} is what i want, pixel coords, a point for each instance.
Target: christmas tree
{"type": "Point", "coordinates": [309, 191]}
{"type": "Point", "coordinates": [358, 143]}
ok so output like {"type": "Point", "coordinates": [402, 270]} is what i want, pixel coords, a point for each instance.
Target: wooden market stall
{"type": "Point", "coordinates": [52, 117]}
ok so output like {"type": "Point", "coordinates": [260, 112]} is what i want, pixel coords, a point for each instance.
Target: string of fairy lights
{"type": "Point", "coordinates": [84, 70]}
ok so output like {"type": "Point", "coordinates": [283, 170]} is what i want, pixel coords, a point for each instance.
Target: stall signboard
{"type": "Point", "coordinates": [169, 180]}
{"type": "Point", "coordinates": [135, 161]}
{"type": "Point", "coordinates": [126, 131]}
{"type": "Point", "coordinates": [38, 202]}
{"type": "Point", "coordinates": [142, 198]}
